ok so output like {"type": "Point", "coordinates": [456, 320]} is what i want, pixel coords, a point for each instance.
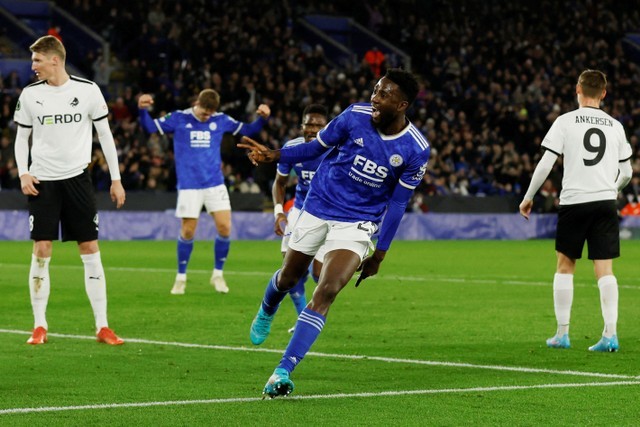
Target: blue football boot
{"type": "Point", "coordinates": [559, 342]}
{"type": "Point", "coordinates": [606, 345]}
{"type": "Point", "coordinates": [279, 384]}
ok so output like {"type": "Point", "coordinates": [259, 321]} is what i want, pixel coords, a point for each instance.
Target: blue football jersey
{"type": "Point", "coordinates": [357, 178]}
{"type": "Point", "coordinates": [196, 146]}
{"type": "Point", "coordinates": [304, 170]}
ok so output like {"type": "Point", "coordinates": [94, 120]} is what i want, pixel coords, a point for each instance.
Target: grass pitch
{"type": "Point", "coordinates": [449, 333]}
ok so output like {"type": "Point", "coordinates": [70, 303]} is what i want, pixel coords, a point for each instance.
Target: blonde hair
{"type": "Point", "coordinates": [209, 99]}
{"type": "Point", "coordinates": [593, 83]}
{"type": "Point", "coordinates": [49, 45]}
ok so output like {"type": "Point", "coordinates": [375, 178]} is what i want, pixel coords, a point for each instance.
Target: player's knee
{"type": "Point", "coordinates": [224, 229]}
{"type": "Point", "coordinates": [42, 248]}
{"type": "Point", "coordinates": [287, 281]}
{"type": "Point", "coordinates": [187, 234]}
{"type": "Point", "coordinates": [326, 294]}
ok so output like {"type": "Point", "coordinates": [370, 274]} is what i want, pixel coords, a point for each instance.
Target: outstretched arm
{"type": "Point", "coordinates": [258, 153]}
{"type": "Point", "coordinates": [254, 127]}
{"type": "Point", "coordinates": [144, 102]}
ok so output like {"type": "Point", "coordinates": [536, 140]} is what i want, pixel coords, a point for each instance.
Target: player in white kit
{"type": "Point", "coordinates": [59, 112]}
{"type": "Point", "coordinates": [596, 159]}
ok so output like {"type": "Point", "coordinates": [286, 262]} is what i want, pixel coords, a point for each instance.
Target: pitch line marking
{"type": "Point", "coordinates": [313, 397]}
{"type": "Point", "coordinates": [350, 357]}
{"type": "Point", "coordinates": [447, 279]}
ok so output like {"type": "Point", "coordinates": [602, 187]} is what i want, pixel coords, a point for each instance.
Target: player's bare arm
{"type": "Point", "coordinates": [117, 193]}
{"type": "Point", "coordinates": [278, 191]}
{"type": "Point", "coordinates": [145, 101]}
{"type": "Point", "coordinates": [258, 153]}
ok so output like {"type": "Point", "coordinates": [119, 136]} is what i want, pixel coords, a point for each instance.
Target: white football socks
{"type": "Point", "coordinates": [96, 287]}
{"type": "Point", "coordinates": [562, 300]}
{"type": "Point", "coordinates": [39, 289]}
{"type": "Point", "coordinates": [608, 286]}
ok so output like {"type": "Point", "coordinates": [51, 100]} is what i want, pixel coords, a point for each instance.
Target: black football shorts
{"type": "Point", "coordinates": [69, 205]}
{"type": "Point", "coordinates": [595, 222]}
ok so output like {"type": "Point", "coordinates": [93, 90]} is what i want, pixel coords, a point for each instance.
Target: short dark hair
{"type": "Point", "coordinates": [315, 109]}
{"type": "Point", "coordinates": [406, 81]}
{"type": "Point", "coordinates": [593, 82]}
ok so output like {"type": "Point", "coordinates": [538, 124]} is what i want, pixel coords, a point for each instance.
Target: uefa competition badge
{"type": "Point", "coordinates": [395, 160]}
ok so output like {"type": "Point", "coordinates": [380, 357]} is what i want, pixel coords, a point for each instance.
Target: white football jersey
{"type": "Point", "coordinates": [592, 143]}
{"type": "Point", "coordinates": [61, 118]}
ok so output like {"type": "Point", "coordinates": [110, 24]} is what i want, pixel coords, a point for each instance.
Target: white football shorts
{"type": "Point", "coordinates": [214, 199]}
{"type": "Point", "coordinates": [311, 233]}
{"type": "Point", "coordinates": [292, 218]}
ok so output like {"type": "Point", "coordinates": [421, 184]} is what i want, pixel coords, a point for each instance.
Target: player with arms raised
{"type": "Point", "coordinates": [378, 158]}
{"type": "Point", "coordinates": [197, 136]}
{"type": "Point", "coordinates": [596, 159]}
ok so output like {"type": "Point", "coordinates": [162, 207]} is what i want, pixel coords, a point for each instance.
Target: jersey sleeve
{"type": "Point", "coordinates": [22, 116]}
{"type": "Point", "coordinates": [337, 131]}
{"type": "Point", "coordinates": [554, 139]}
{"type": "Point", "coordinates": [624, 149]}
{"type": "Point", "coordinates": [230, 125]}
{"type": "Point", "coordinates": [284, 169]}
{"type": "Point", "coordinates": [99, 109]}
{"type": "Point", "coordinates": [248, 129]}
{"type": "Point", "coordinates": [168, 123]}
{"type": "Point", "coordinates": [412, 175]}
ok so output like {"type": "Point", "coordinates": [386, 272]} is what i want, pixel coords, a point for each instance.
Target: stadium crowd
{"type": "Point", "coordinates": [488, 92]}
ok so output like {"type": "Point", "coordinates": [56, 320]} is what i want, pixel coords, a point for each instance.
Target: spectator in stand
{"type": "Point", "coordinates": [375, 58]}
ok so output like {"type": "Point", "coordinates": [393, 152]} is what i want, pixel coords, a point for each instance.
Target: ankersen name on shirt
{"type": "Point", "coordinates": [590, 120]}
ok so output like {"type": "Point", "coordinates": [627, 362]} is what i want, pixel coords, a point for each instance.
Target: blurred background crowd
{"type": "Point", "coordinates": [493, 77]}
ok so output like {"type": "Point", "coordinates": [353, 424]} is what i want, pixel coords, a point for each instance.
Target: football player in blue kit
{"type": "Point", "coordinates": [314, 118]}
{"type": "Point", "coordinates": [197, 135]}
{"type": "Point", "coordinates": [377, 160]}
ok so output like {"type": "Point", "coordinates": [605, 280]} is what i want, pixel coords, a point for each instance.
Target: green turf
{"type": "Point", "coordinates": [468, 307]}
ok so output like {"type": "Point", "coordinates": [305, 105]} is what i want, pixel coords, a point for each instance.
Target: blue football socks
{"type": "Point", "coordinates": [185, 247]}
{"type": "Point", "coordinates": [308, 328]}
{"type": "Point", "coordinates": [297, 294]}
{"type": "Point", "coordinates": [272, 296]}
{"type": "Point", "coordinates": [221, 250]}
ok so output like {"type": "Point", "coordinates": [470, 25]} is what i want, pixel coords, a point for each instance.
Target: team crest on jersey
{"type": "Point", "coordinates": [213, 126]}
{"type": "Point", "coordinates": [74, 102]}
{"type": "Point", "coordinates": [395, 160]}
